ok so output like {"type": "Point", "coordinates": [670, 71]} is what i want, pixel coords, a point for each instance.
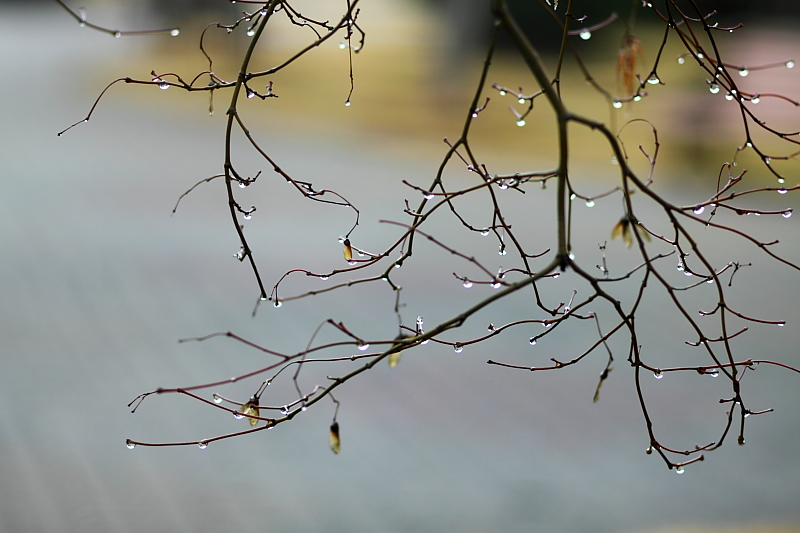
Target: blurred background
{"type": "Point", "coordinates": [99, 281]}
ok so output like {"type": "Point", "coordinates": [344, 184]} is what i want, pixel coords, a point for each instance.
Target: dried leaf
{"type": "Point", "coordinates": [394, 358]}
{"type": "Point", "coordinates": [335, 441]}
{"type": "Point", "coordinates": [629, 53]}
{"type": "Point", "coordinates": [348, 250]}
{"type": "Point", "coordinates": [251, 409]}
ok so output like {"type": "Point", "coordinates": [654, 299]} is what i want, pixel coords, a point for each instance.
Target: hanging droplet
{"type": "Point", "coordinates": [520, 123]}
{"type": "Point", "coordinates": [653, 80]}
{"type": "Point", "coordinates": [347, 103]}
{"type": "Point", "coordinates": [680, 266]}
{"type": "Point", "coordinates": [657, 374]}
{"type": "Point", "coordinates": [617, 104]}
{"type": "Point", "coordinates": [363, 346]}
{"type": "Point", "coordinates": [175, 32]}
{"type": "Point", "coordinates": [474, 114]}
{"type": "Point", "coordinates": [428, 196]}
{"type": "Point", "coordinates": [585, 35]}
{"type": "Point", "coordinates": [485, 232]}
{"type": "Point", "coordinates": [679, 470]}
{"type": "Point", "coordinates": [247, 216]}
{"type": "Point", "coordinates": [637, 97]}
{"type": "Point", "coordinates": [251, 32]}
{"type": "Point", "coordinates": [713, 88]}
{"type": "Point", "coordinates": [285, 410]}
{"type": "Point", "coordinates": [743, 72]}
{"type": "Point", "coordinates": [502, 250]}
{"type": "Point", "coordinates": [335, 441]}
{"type": "Point", "coordinates": [781, 180]}
{"type": "Point", "coordinates": [458, 348]}
{"type": "Point", "coordinates": [217, 398]}
{"type": "Point", "coordinates": [277, 303]}
{"type": "Point", "coordinates": [130, 444]}
{"type": "Point", "coordinates": [467, 284]}
{"type": "Point", "coordinates": [782, 191]}
{"type": "Point", "coordinates": [532, 341]}
{"type": "Point", "coordinates": [681, 60]}
{"type": "Point", "coordinates": [250, 93]}
{"type": "Point", "coordinates": [251, 409]}
{"type": "Point", "coordinates": [713, 373]}
{"type": "Point", "coordinates": [755, 99]}
{"type": "Point", "coordinates": [790, 64]}
{"type": "Point", "coordinates": [613, 160]}
{"type": "Point", "coordinates": [589, 203]}
{"type": "Point", "coordinates": [202, 445]}
{"type": "Point", "coordinates": [348, 250]}
{"type": "Point", "coordinates": [699, 210]}
{"type": "Point", "coordinates": [787, 214]}
{"type": "Point", "coordinates": [729, 97]}
{"type": "Point", "coordinates": [163, 86]}
{"type": "Point", "coordinates": [688, 273]}
{"type": "Point", "coordinates": [119, 34]}
{"type": "Point", "coordinates": [496, 285]}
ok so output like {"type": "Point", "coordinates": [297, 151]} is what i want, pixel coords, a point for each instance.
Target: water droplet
{"type": "Point", "coordinates": [710, 280]}
{"type": "Point", "coordinates": [729, 97]}
{"type": "Point", "coordinates": [586, 35]}
{"type": "Point", "coordinates": [202, 445]}
{"type": "Point", "coordinates": [247, 216]}
{"type": "Point", "coordinates": [572, 196]}
{"type": "Point", "coordinates": [781, 324]}
{"type": "Point", "coordinates": [363, 346]}
{"type": "Point", "coordinates": [680, 266]}
{"type": "Point", "coordinates": [324, 278]}
{"type": "Point", "coordinates": [217, 398]}
{"type": "Point", "coordinates": [238, 416]}
{"type": "Point", "coordinates": [521, 100]}
{"type": "Point", "coordinates": [755, 99]}
{"type": "Point", "coordinates": [637, 98]}
{"type": "Point", "coordinates": [532, 341]}
{"type": "Point", "coordinates": [347, 103]}
{"type": "Point", "coordinates": [714, 373]}
{"type": "Point", "coordinates": [496, 285]}
{"type": "Point", "coordinates": [419, 322]}
{"type": "Point", "coordinates": [428, 196]}
{"type": "Point", "coordinates": [458, 348]}
{"type": "Point", "coordinates": [713, 88]}
{"type": "Point", "coordinates": [617, 104]}
{"type": "Point", "coordinates": [263, 298]}
{"type": "Point", "coordinates": [653, 80]}
{"type": "Point", "coordinates": [304, 407]}
{"type": "Point", "coordinates": [657, 374]}
{"type": "Point", "coordinates": [681, 60]}
{"type": "Point", "coordinates": [743, 72]}
{"type": "Point", "coordinates": [699, 210]}
{"type": "Point", "coordinates": [490, 327]}
{"type": "Point", "coordinates": [679, 470]}
{"type": "Point", "coordinates": [688, 273]}
{"type": "Point", "coordinates": [767, 160]}
{"type": "Point", "coordinates": [82, 24]}
{"type": "Point", "coordinates": [129, 444]}
{"type": "Point", "coordinates": [613, 160]}
{"type": "Point", "coordinates": [790, 64]}
{"type": "Point", "coordinates": [520, 123]}
{"type": "Point", "coordinates": [556, 275]}
{"type": "Point", "coordinates": [485, 232]}
{"type": "Point", "coordinates": [277, 303]}
{"type": "Point", "coordinates": [547, 324]}
{"type": "Point", "coordinates": [700, 55]}
{"type": "Point", "coordinates": [467, 284]}
{"type": "Point", "coordinates": [342, 45]}
{"type": "Point", "coordinates": [285, 410]}
{"type": "Point", "coordinates": [243, 184]}
{"type": "Point", "coordinates": [251, 32]}
{"type": "Point", "coordinates": [119, 34]}
{"type": "Point", "coordinates": [589, 203]}
{"type": "Point", "coordinates": [163, 86]}
{"type": "Point", "coordinates": [781, 180]}
{"type": "Point", "coordinates": [787, 214]}
{"type": "Point", "coordinates": [474, 114]}
{"type": "Point", "coordinates": [782, 191]}
{"type": "Point", "coordinates": [502, 93]}
{"type": "Point", "coordinates": [502, 250]}
{"type": "Point", "coordinates": [250, 93]}
{"type": "Point", "coordinates": [175, 32]}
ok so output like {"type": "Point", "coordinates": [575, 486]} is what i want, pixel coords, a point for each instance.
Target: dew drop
{"type": "Point", "coordinates": [790, 64]}
{"type": "Point", "coordinates": [744, 72]}
{"type": "Point", "coordinates": [572, 196]}
{"type": "Point", "coordinates": [781, 180]}
{"type": "Point", "coordinates": [248, 216]}
{"type": "Point", "coordinates": [502, 93]}
{"type": "Point", "coordinates": [175, 32]}
{"type": "Point", "coordinates": [617, 104]}
{"type": "Point", "coordinates": [496, 285]}
{"type": "Point", "coordinates": [242, 185]}
{"type": "Point", "coordinates": [129, 444]}
{"type": "Point", "coordinates": [277, 303]}
{"type": "Point", "coordinates": [485, 232]}
{"type": "Point", "coordinates": [324, 278]}
{"type": "Point", "coordinates": [363, 346]}
{"type": "Point", "coordinates": [342, 45]}
{"type": "Point", "coordinates": [699, 210]}
{"type": "Point", "coordinates": [532, 342]}
{"type": "Point", "coordinates": [520, 123]}
{"type": "Point", "coordinates": [467, 284]}
{"type": "Point", "coordinates": [251, 32]}
{"type": "Point", "coordinates": [502, 250]}
{"type": "Point", "coordinates": [700, 55]}
{"type": "Point", "coordinates": [521, 100]}
{"type": "Point", "coordinates": [782, 191]}
{"type": "Point", "coordinates": [681, 60]}
{"type": "Point", "coordinates": [710, 280]}
{"type": "Point", "coordinates": [637, 98]}
{"type": "Point", "coordinates": [589, 203]}
{"type": "Point", "coordinates": [657, 374]}
{"type": "Point", "coordinates": [304, 407]}
{"type": "Point", "coordinates": [767, 160]}
{"type": "Point", "coordinates": [250, 93]}
{"type": "Point", "coordinates": [755, 99]}
{"type": "Point", "coordinates": [781, 324]}
{"type": "Point", "coordinates": [217, 398]}
{"type": "Point", "coordinates": [613, 160]}
{"type": "Point", "coordinates": [490, 327]}
{"type": "Point", "coordinates": [238, 416]}
{"type": "Point", "coordinates": [687, 273]}
{"type": "Point", "coordinates": [679, 470]}
{"type": "Point", "coordinates": [729, 97]}
{"type": "Point", "coordinates": [285, 410]}
{"type": "Point", "coordinates": [786, 214]}
{"type": "Point", "coordinates": [428, 196]}
{"type": "Point", "coordinates": [586, 35]}
{"type": "Point", "coordinates": [458, 348]}
{"type": "Point", "coordinates": [347, 103]}
{"type": "Point", "coordinates": [202, 445]}
{"type": "Point", "coordinates": [680, 266]}
{"type": "Point", "coordinates": [653, 80]}
{"type": "Point", "coordinates": [547, 324]}
{"type": "Point", "coordinates": [163, 86]}
{"type": "Point", "coordinates": [713, 88]}
{"type": "Point", "coordinates": [118, 35]}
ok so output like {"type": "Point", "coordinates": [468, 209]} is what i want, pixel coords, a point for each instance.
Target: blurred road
{"type": "Point", "coordinates": [98, 283]}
